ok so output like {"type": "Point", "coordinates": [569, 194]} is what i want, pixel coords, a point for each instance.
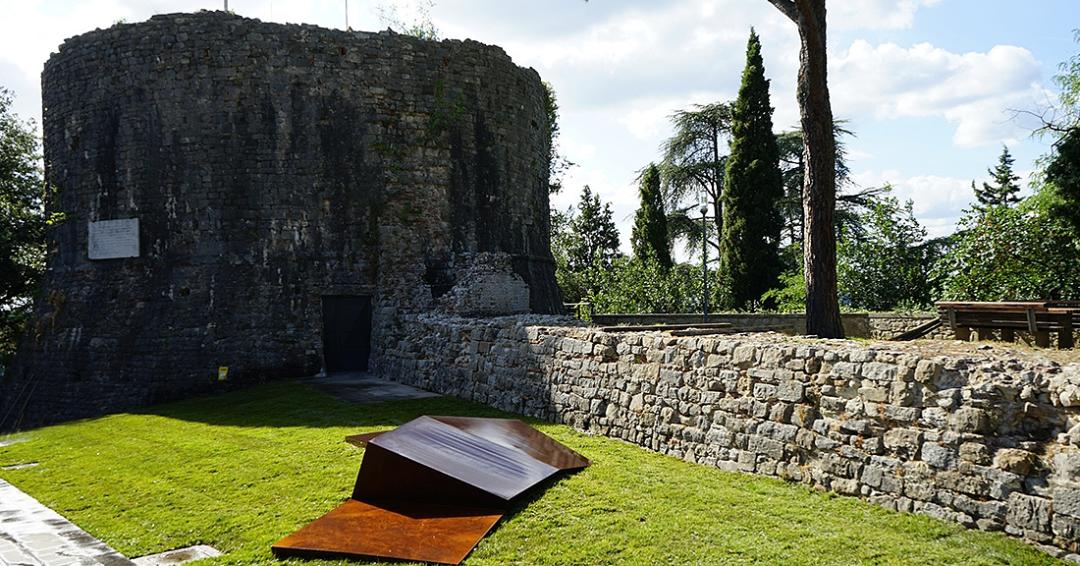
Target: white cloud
{"type": "Point", "coordinates": [938, 201]}
{"type": "Point", "coordinates": [875, 14]}
{"type": "Point", "coordinates": [649, 119]}
{"type": "Point", "coordinates": [973, 91]}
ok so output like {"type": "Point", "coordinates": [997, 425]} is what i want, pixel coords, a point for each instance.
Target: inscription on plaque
{"type": "Point", "coordinates": [112, 239]}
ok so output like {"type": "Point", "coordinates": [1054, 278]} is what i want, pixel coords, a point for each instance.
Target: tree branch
{"type": "Point", "coordinates": [787, 7]}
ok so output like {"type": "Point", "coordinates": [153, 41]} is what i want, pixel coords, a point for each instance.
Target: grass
{"type": "Point", "coordinates": [238, 471]}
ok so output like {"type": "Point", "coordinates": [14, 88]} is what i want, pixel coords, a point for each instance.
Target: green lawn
{"type": "Point", "coordinates": [239, 471]}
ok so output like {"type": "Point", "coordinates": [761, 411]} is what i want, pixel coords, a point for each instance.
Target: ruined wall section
{"type": "Point", "coordinates": [268, 165]}
{"type": "Point", "coordinates": [990, 440]}
{"type": "Point", "coordinates": [884, 326]}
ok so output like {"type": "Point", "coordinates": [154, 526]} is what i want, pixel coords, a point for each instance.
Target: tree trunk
{"type": "Point", "coordinates": [819, 174]}
{"type": "Point", "coordinates": [718, 218]}
{"type": "Point", "coordinates": [819, 179]}
{"type": "Point", "coordinates": [798, 237]}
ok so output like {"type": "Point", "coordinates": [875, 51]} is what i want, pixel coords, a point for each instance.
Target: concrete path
{"type": "Point", "coordinates": [366, 388]}
{"type": "Point", "coordinates": [31, 534]}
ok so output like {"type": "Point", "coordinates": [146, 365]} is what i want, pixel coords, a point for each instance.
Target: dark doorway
{"type": "Point", "coordinates": [346, 333]}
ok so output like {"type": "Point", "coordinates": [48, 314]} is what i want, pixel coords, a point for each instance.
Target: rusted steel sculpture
{"type": "Point", "coordinates": [431, 489]}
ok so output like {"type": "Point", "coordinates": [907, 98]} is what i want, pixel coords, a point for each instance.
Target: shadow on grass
{"type": "Point", "coordinates": [295, 403]}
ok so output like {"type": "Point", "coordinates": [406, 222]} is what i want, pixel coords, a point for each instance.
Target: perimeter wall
{"type": "Point", "coordinates": [984, 438]}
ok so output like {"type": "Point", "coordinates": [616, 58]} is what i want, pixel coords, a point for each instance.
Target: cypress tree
{"type": "Point", "coordinates": [650, 234]}
{"type": "Point", "coordinates": [1004, 188]}
{"type": "Point", "coordinates": [753, 188]}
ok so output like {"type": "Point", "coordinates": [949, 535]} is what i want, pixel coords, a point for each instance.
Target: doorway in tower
{"type": "Point", "coordinates": [346, 333]}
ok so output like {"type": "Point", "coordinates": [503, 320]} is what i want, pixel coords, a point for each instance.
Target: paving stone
{"type": "Point", "coordinates": [366, 388]}
{"type": "Point", "coordinates": [36, 535]}
{"type": "Point", "coordinates": [178, 556]}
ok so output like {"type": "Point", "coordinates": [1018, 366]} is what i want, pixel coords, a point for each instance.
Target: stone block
{"type": "Point", "coordinates": [791, 391]}
{"type": "Point", "coordinates": [975, 452]}
{"type": "Point", "coordinates": [905, 441]}
{"type": "Point", "coordinates": [969, 419]}
{"type": "Point", "coordinates": [937, 455]}
{"type": "Point", "coordinates": [803, 415]}
{"type": "Point", "coordinates": [764, 391]}
{"type": "Point", "coordinates": [900, 414]}
{"type": "Point", "coordinates": [763, 445]}
{"type": "Point", "coordinates": [1066, 527]}
{"type": "Point", "coordinates": [878, 371]}
{"type": "Point", "coordinates": [1028, 512]}
{"type": "Point", "coordinates": [1020, 462]}
{"type": "Point", "coordinates": [1067, 500]}
{"type": "Point", "coordinates": [743, 356]}
{"type": "Point", "coordinates": [927, 371]}
{"type": "Point", "coordinates": [874, 393]}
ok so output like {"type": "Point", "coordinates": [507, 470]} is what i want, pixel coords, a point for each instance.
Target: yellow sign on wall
{"type": "Point", "coordinates": [223, 373]}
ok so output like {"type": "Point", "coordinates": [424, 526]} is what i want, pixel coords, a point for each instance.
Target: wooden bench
{"type": "Point", "coordinates": [1037, 318]}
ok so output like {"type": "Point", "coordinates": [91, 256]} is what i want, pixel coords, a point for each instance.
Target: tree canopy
{"type": "Point", "coordinates": [692, 170]}
{"type": "Point", "coordinates": [585, 242]}
{"type": "Point", "coordinates": [1012, 254]}
{"type": "Point", "coordinates": [890, 265]}
{"type": "Point", "coordinates": [1063, 175]}
{"type": "Point", "coordinates": [22, 222]}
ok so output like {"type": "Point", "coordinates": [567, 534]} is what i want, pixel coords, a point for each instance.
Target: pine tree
{"type": "Point", "coordinates": [594, 234]}
{"type": "Point", "coordinates": [819, 171]}
{"type": "Point", "coordinates": [753, 188]}
{"type": "Point", "coordinates": [1004, 188]}
{"type": "Point", "coordinates": [650, 233]}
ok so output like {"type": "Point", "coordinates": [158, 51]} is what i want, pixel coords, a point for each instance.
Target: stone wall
{"type": "Point", "coordinates": [886, 325]}
{"type": "Point", "coordinates": [856, 325]}
{"type": "Point", "coordinates": [271, 165]}
{"type": "Point", "coordinates": [985, 438]}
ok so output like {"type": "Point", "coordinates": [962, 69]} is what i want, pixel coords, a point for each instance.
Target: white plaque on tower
{"type": "Point", "coordinates": [113, 239]}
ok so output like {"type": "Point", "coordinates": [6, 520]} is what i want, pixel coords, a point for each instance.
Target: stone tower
{"type": "Point", "coordinates": [265, 197]}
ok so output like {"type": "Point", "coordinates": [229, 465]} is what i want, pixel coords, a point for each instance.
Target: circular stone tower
{"type": "Point", "coordinates": [245, 200]}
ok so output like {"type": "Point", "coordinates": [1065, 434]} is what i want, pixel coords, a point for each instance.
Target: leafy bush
{"type": "Point", "coordinates": [890, 265]}
{"type": "Point", "coordinates": [1013, 254]}
{"type": "Point", "coordinates": [633, 286]}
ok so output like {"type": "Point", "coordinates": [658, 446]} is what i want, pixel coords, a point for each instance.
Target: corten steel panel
{"type": "Point", "coordinates": [507, 432]}
{"type": "Point", "coordinates": [431, 489]}
{"type": "Point", "coordinates": [494, 468]}
{"type": "Point", "coordinates": [387, 476]}
{"type": "Point", "coordinates": [413, 531]}
{"type": "Point", "coordinates": [515, 434]}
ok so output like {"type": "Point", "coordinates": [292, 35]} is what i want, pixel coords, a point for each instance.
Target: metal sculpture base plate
{"type": "Point", "coordinates": [397, 531]}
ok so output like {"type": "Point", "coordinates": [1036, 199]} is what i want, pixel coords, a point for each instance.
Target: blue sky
{"type": "Point", "coordinates": [927, 85]}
